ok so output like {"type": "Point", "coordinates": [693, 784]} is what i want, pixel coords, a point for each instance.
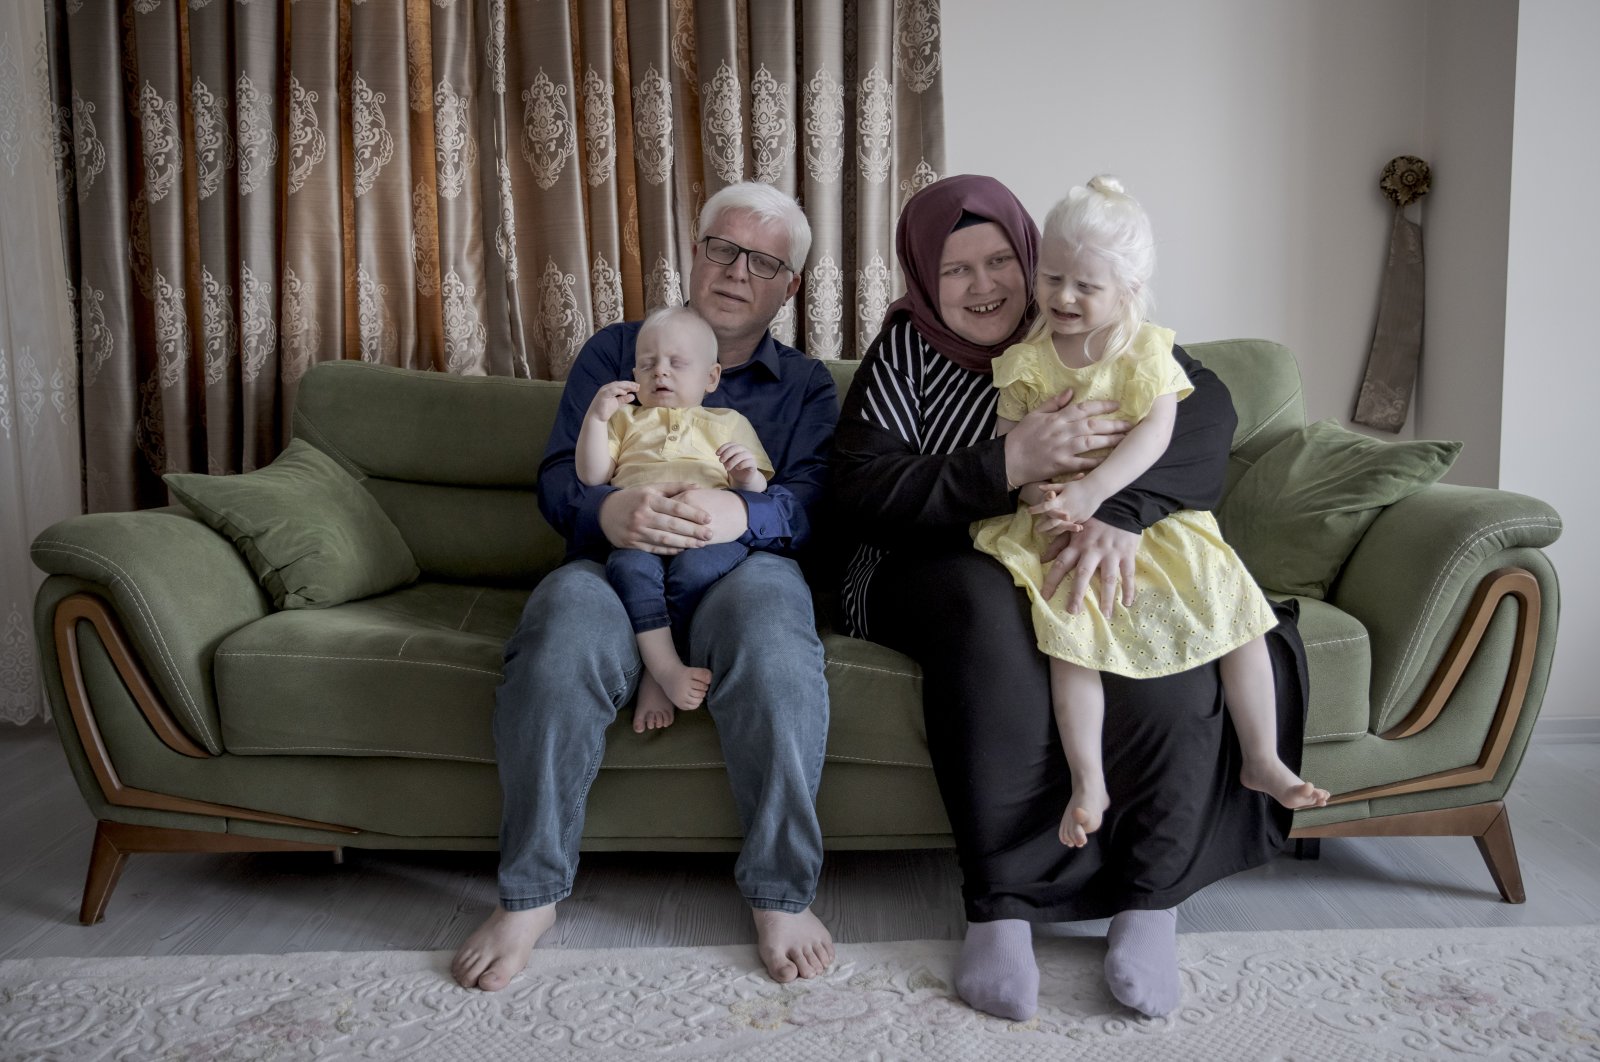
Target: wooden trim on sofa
{"type": "Point", "coordinates": [115, 841]}
{"type": "Point", "coordinates": [89, 608]}
{"type": "Point", "coordinates": [1520, 584]}
{"type": "Point", "coordinates": [1487, 824]}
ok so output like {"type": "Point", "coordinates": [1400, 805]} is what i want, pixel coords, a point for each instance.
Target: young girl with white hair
{"type": "Point", "coordinates": [1196, 601]}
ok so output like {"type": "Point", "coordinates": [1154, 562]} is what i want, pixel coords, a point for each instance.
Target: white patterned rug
{"type": "Point", "coordinates": [1361, 996]}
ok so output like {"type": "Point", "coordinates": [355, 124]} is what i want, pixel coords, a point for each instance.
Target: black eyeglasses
{"type": "Point", "coordinates": [726, 252]}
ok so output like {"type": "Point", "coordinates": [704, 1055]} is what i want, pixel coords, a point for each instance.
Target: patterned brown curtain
{"type": "Point", "coordinates": [472, 186]}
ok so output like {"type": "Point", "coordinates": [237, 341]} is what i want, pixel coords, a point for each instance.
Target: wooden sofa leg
{"type": "Point", "coordinates": [1487, 824]}
{"type": "Point", "coordinates": [115, 841]}
{"type": "Point", "coordinates": [1499, 853]}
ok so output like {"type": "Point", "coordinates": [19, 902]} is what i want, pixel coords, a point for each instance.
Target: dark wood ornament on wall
{"type": "Point", "coordinates": [1397, 341]}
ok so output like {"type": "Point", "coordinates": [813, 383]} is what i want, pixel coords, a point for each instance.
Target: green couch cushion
{"type": "Point", "coordinates": [413, 673]}
{"type": "Point", "coordinates": [1298, 512]}
{"type": "Point", "coordinates": [1339, 663]}
{"type": "Point", "coordinates": [312, 534]}
{"type": "Point", "coordinates": [410, 673]}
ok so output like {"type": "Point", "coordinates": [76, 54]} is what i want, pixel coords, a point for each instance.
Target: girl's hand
{"type": "Point", "coordinates": [1051, 516]}
{"type": "Point", "coordinates": [610, 398]}
{"type": "Point", "coordinates": [1065, 507]}
{"type": "Point", "coordinates": [741, 465]}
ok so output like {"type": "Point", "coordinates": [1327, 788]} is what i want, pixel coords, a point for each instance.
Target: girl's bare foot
{"type": "Point", "coordinates": [498, 950]}
{"type": "Point", "coordinates": [1084, 812]}
{"type": "Point", "coordinates": [1281, 784]}
{"type": "Point", "coordinates": [652, 710]}
{"type": "Point", "coordinates": [792, 944]}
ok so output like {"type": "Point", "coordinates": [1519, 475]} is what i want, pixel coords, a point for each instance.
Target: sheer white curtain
{"type": "Point", "coordinates": [39, 466]}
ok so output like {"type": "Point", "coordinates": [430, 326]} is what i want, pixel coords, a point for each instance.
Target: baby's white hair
{"type": "Point", "coordinates": [683, 317]}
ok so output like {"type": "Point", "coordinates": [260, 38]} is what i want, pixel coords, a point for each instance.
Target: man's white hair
{"type": "Point", "coordinates": [768, 204]}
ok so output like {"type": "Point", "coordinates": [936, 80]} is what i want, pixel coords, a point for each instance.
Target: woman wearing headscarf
{"type": "Point", "coordinates": [915, 462]}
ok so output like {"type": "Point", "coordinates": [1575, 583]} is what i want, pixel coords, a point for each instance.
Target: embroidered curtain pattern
{"type": "Point", "coordinates": [472, 186]}
{"type": "Point", "coordinates": [39, 482]}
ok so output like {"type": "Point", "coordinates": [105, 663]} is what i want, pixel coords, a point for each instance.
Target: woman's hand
{"type": "Point", "coordinates": [1052, 440]}
{"type": "Point", "coordinates": [1097, 549]}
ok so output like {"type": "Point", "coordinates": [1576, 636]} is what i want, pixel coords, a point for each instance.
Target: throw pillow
{"type": "Point", "coordinates": [1301, 509]}
{"type": "Point", "coordinates": [311, 532]}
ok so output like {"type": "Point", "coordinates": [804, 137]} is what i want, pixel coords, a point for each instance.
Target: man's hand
{"type": "Point", "coordinates": [610, 398]}
{"type": "Point", "coordinates": [741, 466]}
{"type": "Point", "coordinates": [729, 518]}
{"type": "Point", "coordinates": [1098, 549]}
{"type": "Point", "coordinates": [1051, 440]}
{"type": "Point", "coordinates": [657, 518]}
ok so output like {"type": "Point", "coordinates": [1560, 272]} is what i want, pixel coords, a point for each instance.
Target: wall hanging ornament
{"type": "Point", "coordinates": [1397, 340]}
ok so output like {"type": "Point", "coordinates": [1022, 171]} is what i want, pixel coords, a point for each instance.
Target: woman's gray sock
{"type": "Point", "coordinates": [997, 973]}
{"type": "Point", "coordinates": [1142, 961]}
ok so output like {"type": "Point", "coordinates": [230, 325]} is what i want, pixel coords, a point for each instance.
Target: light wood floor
{"type": "Point", "coordinates": [248, 904]}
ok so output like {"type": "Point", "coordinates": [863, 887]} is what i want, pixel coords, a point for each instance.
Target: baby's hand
{"type": "Point", "coordinates": [610, 398]}
{"type": "Point", "coordinates": [741, 466]}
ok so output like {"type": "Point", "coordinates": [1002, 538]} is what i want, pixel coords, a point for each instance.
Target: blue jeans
{"type": "Point", "coordinates": [662, 591]}
{"type": "Point", "coordinates": [573, 663]}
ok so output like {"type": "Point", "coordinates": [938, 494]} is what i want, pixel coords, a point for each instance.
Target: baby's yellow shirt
{"type": "Point", "coordinates": [661, 445]}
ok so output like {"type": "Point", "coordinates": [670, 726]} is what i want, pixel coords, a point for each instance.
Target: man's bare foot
{"type": "Point", "coordinates": [1082, 817]}
{"type": "Point", "coordinates": [652, 709]}
{"type": "Point", "coordinates": [1281, 784]}
{"type": "Point", "coordinates": [792, 945]}
{"type": "Point", "coordinates": [498, 950]}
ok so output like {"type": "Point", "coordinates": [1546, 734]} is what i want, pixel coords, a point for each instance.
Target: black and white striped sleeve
{"type": "Point", "coordinates": [889, 479]}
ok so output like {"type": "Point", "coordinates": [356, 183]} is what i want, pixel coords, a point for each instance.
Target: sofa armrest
{"type": "Point", "coordinates": [1412, 576]}
{"type": "Point", "coordinates": [179, 589]}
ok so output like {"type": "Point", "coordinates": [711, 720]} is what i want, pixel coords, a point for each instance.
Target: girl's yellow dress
{"type": "Point", "coordinates": [1195, 599]}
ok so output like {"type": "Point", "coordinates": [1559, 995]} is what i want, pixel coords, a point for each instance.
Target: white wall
{"type": "Point", "coordinates": [1471, 63]}
{"type": "Point", "coordinates": [1548, 444]}
{"type": "Point", "coordinates": [1254, 131]}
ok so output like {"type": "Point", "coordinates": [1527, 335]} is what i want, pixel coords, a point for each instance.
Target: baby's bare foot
{"type": "Point", "coordinates": [1084, 812]}
{"type": "Point", "coordinates": [652, 709]}
{"type": "Point", "coordinates": [792, 944]}
{"type": "Point", "coordinates": [498, 950]}
{"type": "Point", "coordinates": [1274, 778]}
{"type": "Point", "coordinates": [686, 687]}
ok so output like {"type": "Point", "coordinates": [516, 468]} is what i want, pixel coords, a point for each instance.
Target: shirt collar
{"type": "Point", "coordinates": [767, 356]}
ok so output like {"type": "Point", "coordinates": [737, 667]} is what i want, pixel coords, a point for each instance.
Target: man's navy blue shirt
{"type": "Point", "coordinates": [789, 398]}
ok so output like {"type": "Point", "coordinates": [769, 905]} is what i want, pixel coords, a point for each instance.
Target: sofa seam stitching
{"type": "Point", "coordinates": [1262, 425]}
{"type": "Point", "coordinates": [1344, 733]}
{"type": "Point", "coordinates": [146, 614]}
{"type": "Point", "coordinates": [1435, 592]}
{"type": "Point", "coordinates": [357, 659]}
{"type": "Point", "coordinates": [462, 626]}
{"type": "Point", "coordinates": [1337, 641]}
{"type": "Point", "coordinates": [867, 667]}
{"type": "Point", "coordinates": [411, 753]}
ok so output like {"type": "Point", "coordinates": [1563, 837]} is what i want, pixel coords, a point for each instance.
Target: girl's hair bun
{"type": "Point", "coordinates": [1106, 184]}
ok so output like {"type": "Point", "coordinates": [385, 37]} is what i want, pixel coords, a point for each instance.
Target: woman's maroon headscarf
{"type": "Point", "coordinates": [925, 223]}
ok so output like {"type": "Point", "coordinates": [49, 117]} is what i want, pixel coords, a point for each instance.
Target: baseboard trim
{"type": "Point", "coordinates": [1567, 730]}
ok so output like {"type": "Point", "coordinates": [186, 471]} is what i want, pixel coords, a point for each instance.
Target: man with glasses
{"type": "Point", "coordinates": [573, 662]}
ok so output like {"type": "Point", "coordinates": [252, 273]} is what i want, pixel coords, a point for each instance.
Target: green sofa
{"type": "Point", "coordinates": [196, 718]}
